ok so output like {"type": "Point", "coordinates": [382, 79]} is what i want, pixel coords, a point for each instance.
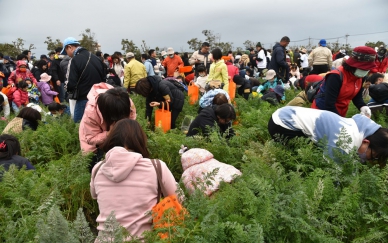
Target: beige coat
{"type": "Point", "coordinates": [320, 56]}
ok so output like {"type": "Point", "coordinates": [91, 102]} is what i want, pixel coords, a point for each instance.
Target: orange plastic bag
{"type": "Point", "coordinates": [5, 90]}
{"type": "Point", "coordinates": [232, 89]}
{"type": "Point", "coordinates": [163, 118]}
{"type": "Point", "coordinates": [193, 93]}
{"type": "Point", "coordinates": [185, 69]}
{"type": "Point", "coordinates": [56, 99]}
{"type": "Point", "coordinates": [226, 58]}
{"type": "Point", "coordinates": [169, 207]}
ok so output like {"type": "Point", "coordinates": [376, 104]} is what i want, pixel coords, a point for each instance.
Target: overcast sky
{"type": "Point", "coordinates": [174, 22]}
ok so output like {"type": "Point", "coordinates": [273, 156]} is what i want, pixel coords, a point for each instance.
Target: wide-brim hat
{"type": "Point", "coordinates": [270, 74]}
{"type": "Point", "coordinates": [279, 90]}
{"type": "Point", "coordinates": [362, 57]}
{"type": "Point", "coordinates": [44, 77]}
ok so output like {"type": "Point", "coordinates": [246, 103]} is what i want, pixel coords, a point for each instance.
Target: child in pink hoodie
{"type": "Point", "coordinates": [126, 181]}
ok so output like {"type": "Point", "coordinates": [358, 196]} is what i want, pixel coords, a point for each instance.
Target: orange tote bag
{"type": "Point", "coordinates": [163, 118]}
{"type": "Point", "coordinates": [232, 89]}
{"type": "Point", "coordinates": [193, 93]}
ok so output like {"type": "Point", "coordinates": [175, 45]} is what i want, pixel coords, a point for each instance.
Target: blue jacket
{"type": "Point", "coordinates": [149, 67]}
{"type": "Point", "coordinates": [278, 62]}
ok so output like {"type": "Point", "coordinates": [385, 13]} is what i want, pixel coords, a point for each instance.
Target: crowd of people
{"type": "Point", "coordinates": [95, 89]}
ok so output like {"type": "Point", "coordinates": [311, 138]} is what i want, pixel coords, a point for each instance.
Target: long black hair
{"type": "Point", "coordinates": [114, 105]}
{"type": "Point", "coordinates": [9, 146]}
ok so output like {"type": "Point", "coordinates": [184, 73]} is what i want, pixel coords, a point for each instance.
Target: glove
{"type": "Point", "coordinates": [365, 110]}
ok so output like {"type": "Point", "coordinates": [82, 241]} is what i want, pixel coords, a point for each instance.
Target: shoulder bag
{"type": "Point", "coordinates": [73, 95]}
{"type": "Point", "coordinates": [168, 211]}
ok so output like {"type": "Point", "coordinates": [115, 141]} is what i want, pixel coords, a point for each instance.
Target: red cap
{"type": "Point", "coordinates": [362, 57]}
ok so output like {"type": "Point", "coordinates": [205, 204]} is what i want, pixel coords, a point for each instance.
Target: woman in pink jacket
{"type": "Point", "coordinates": [106, 105]}
{"type": "Point", "coordinates": [126, 181]}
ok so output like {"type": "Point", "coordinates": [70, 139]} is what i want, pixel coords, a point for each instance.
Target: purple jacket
{"type": "Point", "coordinates": [47, 93]}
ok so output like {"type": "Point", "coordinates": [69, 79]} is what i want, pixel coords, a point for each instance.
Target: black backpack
{"type": "Point", "coordinates": [379, 92]}
{"type": "Point", "coordinates": [313, 88]}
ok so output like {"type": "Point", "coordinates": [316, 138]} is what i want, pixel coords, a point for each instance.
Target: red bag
{"type": "Point", "coordinates": [163, 118]}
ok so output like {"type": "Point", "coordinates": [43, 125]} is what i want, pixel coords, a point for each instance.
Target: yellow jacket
{"type": "Point", "coordinates": [133, 71]}
{"type": "Point", "coordinates": [219, 71]}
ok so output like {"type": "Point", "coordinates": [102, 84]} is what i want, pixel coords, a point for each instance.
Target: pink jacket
{"type": "Point", "coordinates": [16, 74]}
{"type": "Point", "coordinates": [232, 70]}
{"type": "Point", "coordinates": [127, 184]}
{"type": "Point", "coordinates": [20, 97]}
{"type": "Point", "coordinates": [93, 129]}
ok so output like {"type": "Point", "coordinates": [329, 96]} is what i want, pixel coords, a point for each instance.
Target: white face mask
{"type": "Point", "coordinates": [1, 61]}
{"type": "Point", "coordinates": [361, 73]}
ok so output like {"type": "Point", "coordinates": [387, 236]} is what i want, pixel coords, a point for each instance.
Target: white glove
{"type": "Point", "coordinates": [365, 110]}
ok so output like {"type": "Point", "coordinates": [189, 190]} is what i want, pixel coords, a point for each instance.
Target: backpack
{"type": "Point", "coordinates": [313, 88]}
{"type": "Point", "coordinates": [379, 92]}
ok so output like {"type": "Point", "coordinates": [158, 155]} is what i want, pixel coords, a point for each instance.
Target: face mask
{"type": "Point", "coordinates": [202, 74]}
{"type": "Point", "coordinates": [165, 56]}
{"type": "Point", "coordinates": [1, 61]}
{"type": "Point", "coordinates": [23, 69]}
{"type": "Point", "coordinates": [25, 61]}
{"type": "Point", "coordinates": [30, 85]}
{"type": "Point", "coordinates": [171, 56]}
{"type": "Point", "coordinates": [362, 156]}
{"type": "Point", "coordinates": [360, 73]}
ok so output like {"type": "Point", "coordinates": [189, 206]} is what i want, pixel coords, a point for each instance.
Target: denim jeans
{"type": "Point", "coordinates": [79, 110]}
{"type": "Point", "coordinates": [61, 95]}
{"type": "Point", "coordinates": [15, 108]}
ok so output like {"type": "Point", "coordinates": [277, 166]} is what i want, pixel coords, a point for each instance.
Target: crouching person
{"type": "Point", "coordinates": [126, 181]}
{"type": "Point", "coordinates": [197, 163]}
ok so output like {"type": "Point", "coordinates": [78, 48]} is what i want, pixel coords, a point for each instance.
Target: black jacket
{"type": "Point", "coordinates": [207, 117]}
{"type": "Point", "coordinates": [160, 90]}
{"type": "Point", "coordinates": [36, 72]}
{"type": "Point", "coordinates": [56, 71]}
{"type": "Point", "coordinates": [278, 62]}
{"type": "Point", "coordinates": [245, 86]}
{"type": "Point", "coordinates": [94, 72]}
{"type": "Point", "coordinates": [16, 160]}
